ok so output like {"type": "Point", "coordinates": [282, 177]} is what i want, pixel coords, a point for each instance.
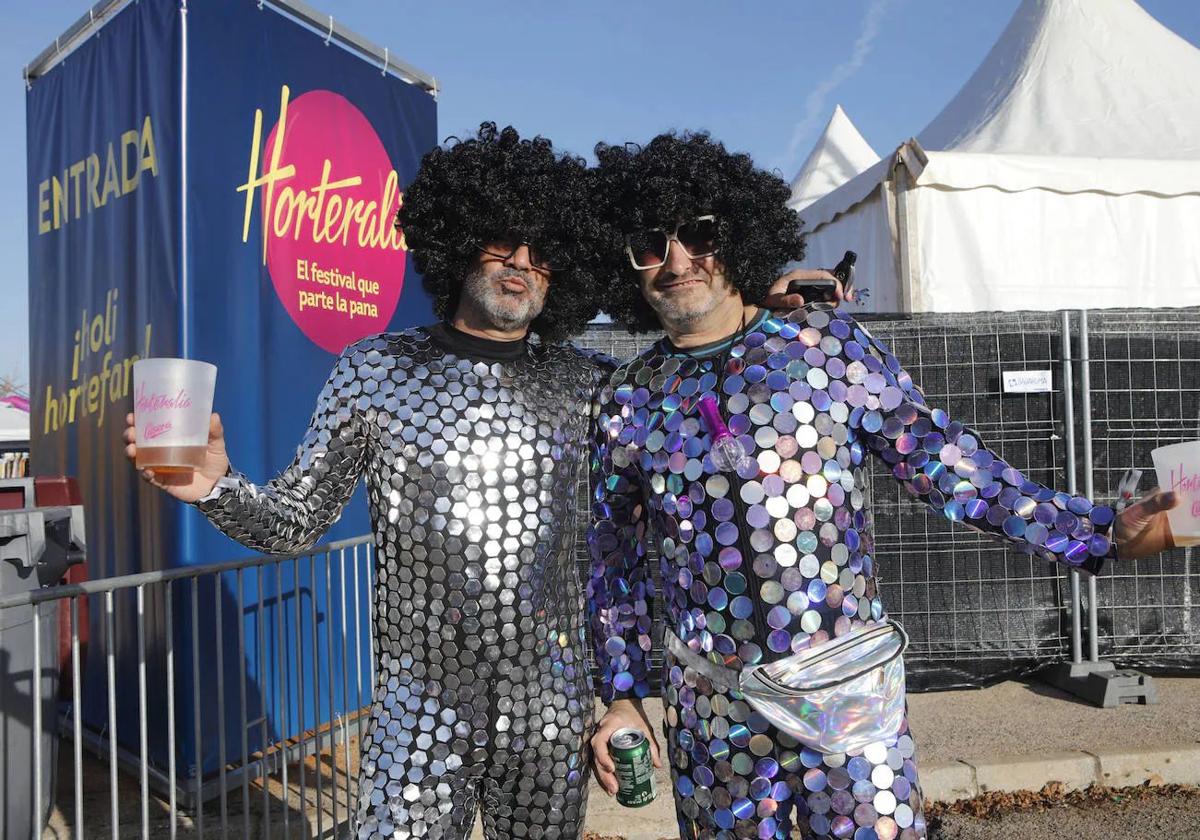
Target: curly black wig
{"type": "Point", "coordinates": [681, 176]}
{"type": "Point", "coordinates": [471, 191]}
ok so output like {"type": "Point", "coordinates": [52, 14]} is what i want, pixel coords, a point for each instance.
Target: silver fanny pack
{"type": "Point", "coordinates": [835, 698]}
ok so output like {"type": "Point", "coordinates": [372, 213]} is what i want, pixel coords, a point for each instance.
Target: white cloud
{"type": "Point", "coordinates": [816, 109]}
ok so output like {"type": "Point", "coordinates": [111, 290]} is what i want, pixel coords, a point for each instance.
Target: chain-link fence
{"type": "Point", "coordinates": [977, 611]}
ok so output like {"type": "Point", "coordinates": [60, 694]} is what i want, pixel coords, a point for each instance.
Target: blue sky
{"type": "Point", "coordinates": [762, 76]}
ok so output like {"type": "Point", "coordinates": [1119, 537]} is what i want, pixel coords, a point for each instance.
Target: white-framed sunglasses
{"type": "Point", "coordinates": [649, 248]}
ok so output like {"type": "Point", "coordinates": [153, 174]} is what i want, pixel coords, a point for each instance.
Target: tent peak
{"type": "Point", "coordinates": [840, 153]}
{"type": "Point", "coordinates": [1083, 78]}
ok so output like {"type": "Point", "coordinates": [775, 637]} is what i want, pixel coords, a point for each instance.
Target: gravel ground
{"type": "Point", "coordinates": [1130, 814]}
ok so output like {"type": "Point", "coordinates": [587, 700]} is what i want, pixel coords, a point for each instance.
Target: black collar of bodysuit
{"type": "Point", "coordinates": [469, 346]}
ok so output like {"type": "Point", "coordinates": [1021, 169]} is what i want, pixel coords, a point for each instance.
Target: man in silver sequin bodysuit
{"type": "Point", "coordinates": [469, 436]}
{"type": "Point", "coordinates": [776, 556]}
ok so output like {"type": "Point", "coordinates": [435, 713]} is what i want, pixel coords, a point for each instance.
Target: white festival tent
{"type": "Point", "coordinates": [14, 421]}
{"type": "Point", "coordinates": [839, 155]}
{"type": "Point", "coordinates": [1064, 174]}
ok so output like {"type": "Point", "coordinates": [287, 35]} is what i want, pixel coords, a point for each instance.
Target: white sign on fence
{"type": "Point", "coordinates": [1027, 381]}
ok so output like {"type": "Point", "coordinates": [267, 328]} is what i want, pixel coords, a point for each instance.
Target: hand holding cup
{"type": "Point", "coordinates": [172, 437]}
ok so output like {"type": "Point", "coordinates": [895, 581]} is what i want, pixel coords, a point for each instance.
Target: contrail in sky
{"type": "Point", "coordinates": [815, 109]}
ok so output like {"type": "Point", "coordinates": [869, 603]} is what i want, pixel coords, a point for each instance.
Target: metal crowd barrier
{"type": "Point", "coordinates": [1144, 392]}
{"type": "Point", "coordinates": [300, 780]}
{"type": "Point", "coordinates": [976, 610]}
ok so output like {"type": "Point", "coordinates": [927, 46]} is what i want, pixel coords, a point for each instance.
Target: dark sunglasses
{"type": "Point", "coordinates": [505, 247]}
{"type": "Point", "coordinates": [649, 248]}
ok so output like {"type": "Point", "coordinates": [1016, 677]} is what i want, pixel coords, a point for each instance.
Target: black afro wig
{"type": "Point", "coordinates": [680, 176]}
{"type": "Point", "coordinates": [471, 191]}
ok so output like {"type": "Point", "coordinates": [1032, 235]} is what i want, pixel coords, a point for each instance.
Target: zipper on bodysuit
{"type": "Point", "coordinates": [493, 716]}
{"type": "Point", "coordinates": [753, 582]}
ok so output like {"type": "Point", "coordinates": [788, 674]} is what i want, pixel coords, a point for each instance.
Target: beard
{"type": "Point", "coordinates": [694, 304]}
{"type": "Point", "coordinates": [501, 308]}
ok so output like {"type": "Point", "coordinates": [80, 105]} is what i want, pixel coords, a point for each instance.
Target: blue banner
{"type": "Point", "coordinates": [104, 222]}
{"type": "Point", "coordinates": [216, 181]}
{"type": "Point", "coordinates": [298, 152]}
{"type": "Point", "coordinates": [104, 205]}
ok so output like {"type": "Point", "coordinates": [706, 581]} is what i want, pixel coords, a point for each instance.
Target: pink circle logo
{"type": "Point", "coordinates": [329, 200]}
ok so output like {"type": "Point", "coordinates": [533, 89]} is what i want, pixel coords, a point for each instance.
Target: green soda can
{"type": "Point", "coordinates": [635, 772]}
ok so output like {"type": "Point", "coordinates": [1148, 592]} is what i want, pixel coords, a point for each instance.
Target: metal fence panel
{"type": "Point", "coordinates": [1145, 383]}
{"type": "Point", "coordinates": [274, 767]}
{"type": "Point", "coordinates": [976, 610]}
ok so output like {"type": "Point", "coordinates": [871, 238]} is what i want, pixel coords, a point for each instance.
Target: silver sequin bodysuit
{"type": "Point", "coordinates": [483, 692]}
{"type": "Point", "coordinates": [779, 556]}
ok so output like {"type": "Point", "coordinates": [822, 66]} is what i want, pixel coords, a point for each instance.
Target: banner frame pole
{"type": "Point", "coordinates": [98, 15]}
{"type": "Point", "coordinates": [185, 308]}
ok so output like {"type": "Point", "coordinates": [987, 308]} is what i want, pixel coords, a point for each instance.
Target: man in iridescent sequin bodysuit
{"type": "Point", "coordinates": [467, 433]}
{"type": "Point", "coordinates": [776, 556]}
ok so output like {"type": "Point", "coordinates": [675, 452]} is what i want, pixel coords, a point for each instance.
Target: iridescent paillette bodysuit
{"type": "Point", "coordinates": [778, 556]}
{"type": "Point", "coordinates": [470, 451]}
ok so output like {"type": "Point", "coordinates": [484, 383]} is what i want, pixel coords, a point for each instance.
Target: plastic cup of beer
{"type": "Point", "coordinates": [172, 402]}
{"type": "Point", "coordinates": [1178, 468]}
